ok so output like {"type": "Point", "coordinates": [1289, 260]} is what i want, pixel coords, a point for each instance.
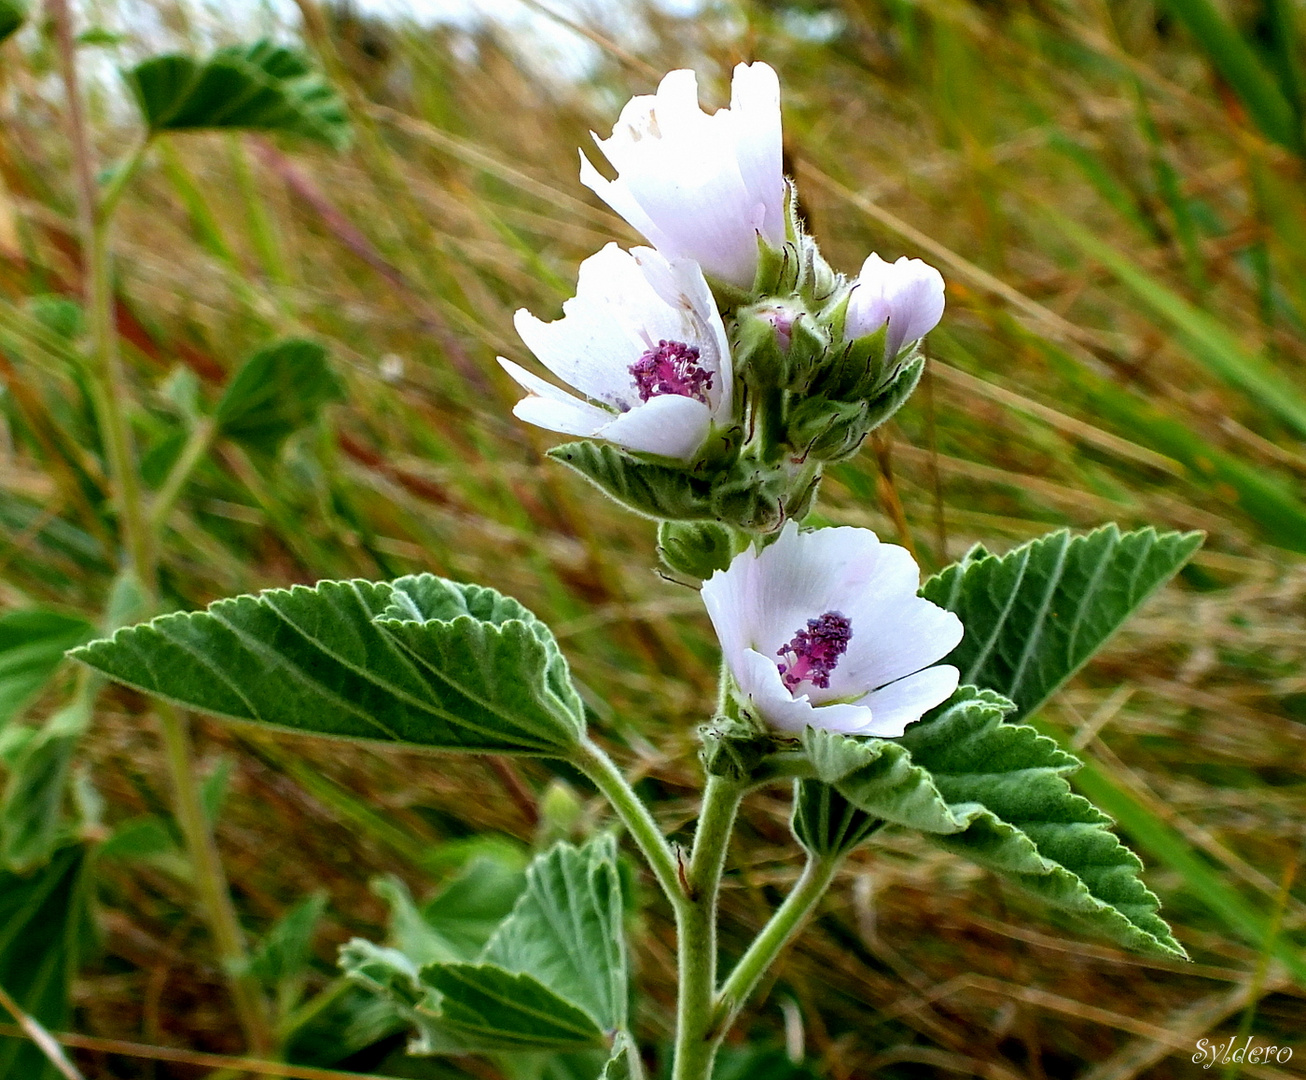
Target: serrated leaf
{"type": "Point", "coordinates": [996, 793]}
{"type": "Point", "coordinates": [648, 488]}
{"type": "Point", "coordinates": [351, 659]}
{"type": "Point", "coordinates": [43, 923]}
{"type": "Point", "coordinates": [460, 1008]}
{"type": "Point", "coordinates": [31, 810]}
{"type": "Point", "coordinates": [625, 1062]}
{"type": "Point", "coordinates": [31, 645]}
{"type": "Point", "coordinates": [258, 87]}
{"type": "Point", "coordinates": [566, 930]}
{"type": "Point", "coordinates": [12, 15]}
{"type": "Point", "coordinates": [1034, 616]}
{"type": "Point", "coordinates": [488, 1008]}
{"type": "Point", "coordinates": [825, 822]}
{"type": "Point", "coordinates": [277, 391]}
{"type": "Point", "coordinates": [457, 922]}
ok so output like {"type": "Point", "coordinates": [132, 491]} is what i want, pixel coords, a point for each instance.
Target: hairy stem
{"type": "Point", "coordinates": [788, 919]}
{"type": "Point", "coordinates": [696, 1037]}
{"type": "Point", "coordinates": [112, 400]}
{"type": "Point", "coordinates": [594, 762]}
{"type": "Point", "coordinates": [192, 453]}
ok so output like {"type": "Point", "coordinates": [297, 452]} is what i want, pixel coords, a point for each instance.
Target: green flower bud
{"type": "Point", "coordinates": [697, 548]}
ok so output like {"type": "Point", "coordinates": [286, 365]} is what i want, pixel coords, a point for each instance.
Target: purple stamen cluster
{"type": "Point", "coordinates": [813, 653]}
{"type": "Point", "coordinates": [671, 368]}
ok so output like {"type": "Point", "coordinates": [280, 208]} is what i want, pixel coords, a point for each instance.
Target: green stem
{"type": "Point", "coordinates": [696, 1038]}
{"type": "Point", "coordinates": [112, 400]}
{"type": "Point", "coordinates": [122, 176]}
{"type": "Point", "coordinates": [788, 919]}
{"type": "Point", "coordinates": [197, 445]}
{"type": "Point", "coordinates": [595, 763]}
{"type": "Point", "coordinates": [211, 882]}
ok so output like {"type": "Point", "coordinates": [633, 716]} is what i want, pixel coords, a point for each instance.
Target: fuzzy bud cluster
{"type": "Point", "coordinates": [726, 365]}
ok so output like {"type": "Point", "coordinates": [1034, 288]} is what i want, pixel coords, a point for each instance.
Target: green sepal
{"type": "Point", "coordinates": [855, 369]}
{"type": "Point", "coordinates": [828, 430]}
{"type": "Point", "coordinates": [736, 749]}
{"type": "Point", "coordinates": [697, 548]}
{"type": "Point", "coordinates": [825, 822]}
{"type": "Point", "coordinates": [763, 360]}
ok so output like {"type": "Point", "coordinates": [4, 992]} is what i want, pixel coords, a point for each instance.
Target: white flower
{"type": "Point", "coordinates": [907, 294]}
{"type": "Point", "coordinates": [824, 629]}
{"type": "Point", "coordinates": [643, 338]}
{"type": "Point", "coordinates": [698, 186]}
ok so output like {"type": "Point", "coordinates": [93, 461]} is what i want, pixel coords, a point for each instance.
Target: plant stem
{"type": "Point", "coordinates": [112, 402]}
{"type": "Point", "coordinates": [197, 445]}
{"type": "Point", "coordinates": [45, 1042]}
{"type": "Point", "coordinates": [122, 176]}
{"type": "Point", "coordinates": [594, 762]}
{"type": "Point", "coordinates": [211, 881]}
{"type": "Point", "coordinates": [785, 923]}
{"type": "Point", "coordinates": [696, 1037]}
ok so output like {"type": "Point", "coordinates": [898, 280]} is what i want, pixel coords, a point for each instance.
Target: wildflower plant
{"type": "Point", "coordinates": [709, 380]}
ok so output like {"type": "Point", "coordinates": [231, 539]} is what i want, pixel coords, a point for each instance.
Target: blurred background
{"type": "Point", "coordinates": [1115, 192]}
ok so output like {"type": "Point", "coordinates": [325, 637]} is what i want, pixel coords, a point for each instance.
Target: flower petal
{"type": "Point", "coordinates": [895, 706]}
{"type": "Point", "coordinates": [759, 680]}
{"type": "Point", "coordinates": [670, 425]}
{"type": "Point", "coordinates": [759, 149]}
{"type": "Point", "coordinates": [549, 407]}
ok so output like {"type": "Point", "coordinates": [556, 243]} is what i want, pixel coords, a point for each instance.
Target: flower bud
{"type": "Point", "coordinates": [779, 344]}
{"type": "Point", "coordinates": [696, 548]}
{"type": "Point", "coordinates": [905, 298]}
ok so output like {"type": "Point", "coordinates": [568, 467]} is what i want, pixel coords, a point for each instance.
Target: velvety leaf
{"type": "Point", "coordinates": [485, 1007]}
{"type": "Point", "coordinates": [418, 661]}
{"type": "Point", "coordinates": [277, 391]}
{"type": "Point", "coordinates": [43, 924]}
{"type": "Point", "coordinates": [566, 930]}
{"type": "Point", "coordinates": [1034, 616]}
{"type": "Point", "coordinates": [31, 645]}
{"type": "Point", "coordinates": [31, 810]}
{"type": "Point", "coordinates": [825, 822]}
{"type": "Point", "coordinates": [625, 1062]}
{"type": "Point", "coordinates": [286, 949]}
{"type": "Point", "coordinates": [12, 15]}
{"type": "Point", "coordinates": [996, 793]}
{"type": "Point", "coordinates": [457, 1008]}
{"type": "Point", "coordinates": [648, 488]}
{"type": "Point", "coordinates": [258, 87]}
{"type": "Point", "coordinates": [457, 922]}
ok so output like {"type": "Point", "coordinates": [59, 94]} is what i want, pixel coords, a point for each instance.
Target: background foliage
{"type": "Point", "coordinates": [1114, 192]}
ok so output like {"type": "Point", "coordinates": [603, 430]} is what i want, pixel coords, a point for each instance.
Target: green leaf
{"type": "Point", "coordinates": [12, 15]}
{"type": "Point", "coordinates": [625, 1062]}
{"type": "Point", "coordinates": [277, 391]}
{"type": "Point", "coordinates": [419, 661]}
{"type": "Point", "coordinates": [31, 811]}
{"type": "Point", "coordinates": [258, 87]}
{"type": "Point", "coordinates": [31, 645]}
{"type": "Point", "coordinates": [43, 922]}
{"type": "Point", "coordinates": [648, 488]}
{"type": "Point", "coordinates": [825, 822]}
{"type": "Point", "coordinates": [455, 924]}
{"type": "Point", "coordinates": [996, 793]}
{"type": "Point", "coordinates": [282, 958]}
{"type": "Point", "coordinates": [485, 1007]}
{"type": "Point", "coordinates": [458, 1008]}
{"type": "Point", "coordinates": [566, 930]}
{"type": "Point", "coordinates": [1034, 616]}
